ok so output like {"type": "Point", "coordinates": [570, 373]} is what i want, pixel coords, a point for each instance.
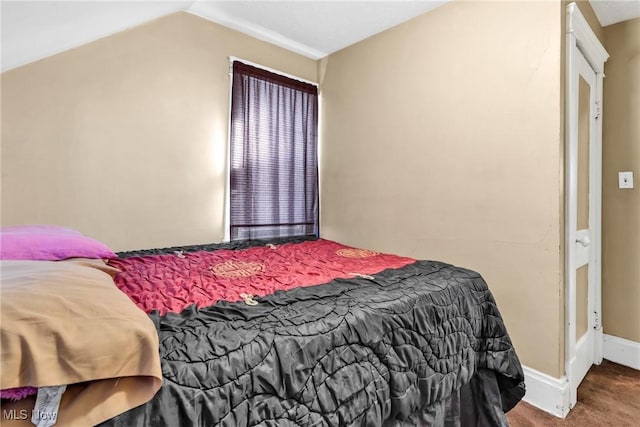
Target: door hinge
{"type": "Point", "coordinates": [598, 110]}
{"type": "Point", "coordinates": [596, 320]}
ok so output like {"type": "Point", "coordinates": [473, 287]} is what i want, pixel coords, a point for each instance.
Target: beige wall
{"type": "Point", "coordinates": [621, 208]}
{"type": "Point", "coordinates": [441, 140]}
{"type": "Point", "coordinates": [124, 138]}
{"type": "Point", "coordinates": [444, 135]}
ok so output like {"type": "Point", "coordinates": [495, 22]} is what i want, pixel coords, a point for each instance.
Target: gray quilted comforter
{"type": "Point", "coordinates": [420, 345]}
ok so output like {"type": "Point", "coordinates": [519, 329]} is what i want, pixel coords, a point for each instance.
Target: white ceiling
{"type": "Point", "coordinates": [34, 29]}
{"type": "Point", "coordinates": [312, 28]}
{"type": "Point", "coordinates": [614, 11]}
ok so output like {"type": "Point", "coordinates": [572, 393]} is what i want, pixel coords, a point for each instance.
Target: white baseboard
{"type": "Point", "coordinates": [622, 351]}
{"type": "Point", "coordinates": [552, 394]}
{"type": "Point", "coordinates": [546, 392]}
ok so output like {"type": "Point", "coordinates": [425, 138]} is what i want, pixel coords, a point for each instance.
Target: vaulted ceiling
{"type": "Point", "coordinates": [611, 12]}
{"type": "Point", "coordinates": [32, 30]}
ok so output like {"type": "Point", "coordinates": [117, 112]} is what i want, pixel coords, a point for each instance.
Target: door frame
{"type": "Point", "coordinates": [581, 41]}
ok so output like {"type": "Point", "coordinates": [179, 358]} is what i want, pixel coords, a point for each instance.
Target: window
{"type": "Point", "coordinates": [273, 155]}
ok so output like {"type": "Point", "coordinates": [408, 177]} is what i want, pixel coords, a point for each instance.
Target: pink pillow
{"type": "Point", "coordinates": [18, 393]}
{"type": "Point", "coordinates": [49, 243]}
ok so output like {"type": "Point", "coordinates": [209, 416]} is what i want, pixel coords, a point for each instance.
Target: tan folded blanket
{"type": "Point", "coordinates": [65, 322]}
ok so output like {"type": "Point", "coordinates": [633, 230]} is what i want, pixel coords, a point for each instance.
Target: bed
{"type": "Point", "coordinates": [304, 332]}
{"type": "Point", "coordinates": [307, 332]}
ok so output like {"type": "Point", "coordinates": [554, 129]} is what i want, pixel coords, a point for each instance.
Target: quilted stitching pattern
{"type": "Point", "coordinates": [354, 352]}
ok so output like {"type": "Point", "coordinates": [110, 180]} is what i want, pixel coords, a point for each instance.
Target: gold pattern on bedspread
{"type": "Point", "coordinates": [356, 253]}
{"type": "Point", "coordinates": [235, 269]}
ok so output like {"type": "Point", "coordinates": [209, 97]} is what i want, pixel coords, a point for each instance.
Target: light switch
{"type": "Point", "coordinates": [625, 179]}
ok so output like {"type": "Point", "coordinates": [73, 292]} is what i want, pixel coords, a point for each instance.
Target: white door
{"type": "Point", "coordinates": [581, 222]}
{"type": "Point", "coordinates": [585, 73]}
{"type": "Point", "coordinates": [584, 166]}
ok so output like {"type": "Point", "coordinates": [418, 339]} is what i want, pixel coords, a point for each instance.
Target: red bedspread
{"type": "Point", "coordinates": [170, 283]}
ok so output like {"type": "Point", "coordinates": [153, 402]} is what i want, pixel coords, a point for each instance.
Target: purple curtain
{"type": "Point", "coordinates": [274, 155]}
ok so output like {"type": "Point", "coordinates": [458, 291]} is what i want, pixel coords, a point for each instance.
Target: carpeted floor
{"type": "Point", "coordinates": [609, 396]}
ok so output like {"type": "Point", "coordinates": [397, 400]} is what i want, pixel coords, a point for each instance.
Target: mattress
{"type": "Point", "coordinates": [315, 333]}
